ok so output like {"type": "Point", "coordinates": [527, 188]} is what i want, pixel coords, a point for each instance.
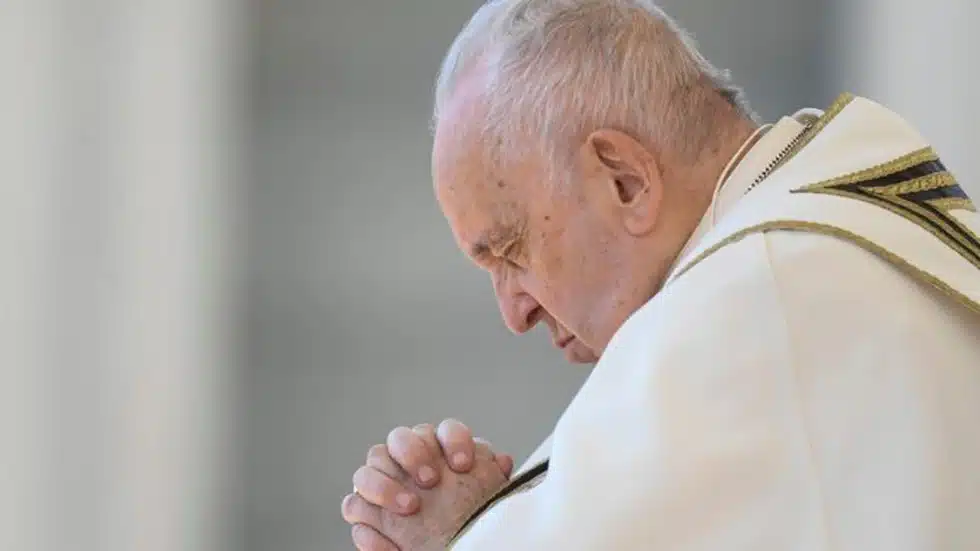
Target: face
{"type": "Point", "coordinates": [522, 239]}
{"type": "Point", "coordinates": [579, 256]}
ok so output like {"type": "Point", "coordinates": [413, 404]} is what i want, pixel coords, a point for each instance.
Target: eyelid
{"type": "Point", "coordinates": [513, 257]}
{"type": "Point", "coordinates": [505, 249]}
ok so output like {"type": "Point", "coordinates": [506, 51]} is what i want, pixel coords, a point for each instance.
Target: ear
{"type": "Point", "coordinates": [632, 178]}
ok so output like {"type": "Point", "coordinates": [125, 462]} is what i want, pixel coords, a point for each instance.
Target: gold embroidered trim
{"type": "Point", "coordinates": [938, 180]}
{"type": "Point", "coordinates": [833, 231]}
{"type": "Point", "coordinates": [904, 162]}
{"type": "Point", "coordinates": [953, 238]}
{"type": "Point", "coordinates": [952, 203]}
{"type": "Point", "coordinates": [946, 228]}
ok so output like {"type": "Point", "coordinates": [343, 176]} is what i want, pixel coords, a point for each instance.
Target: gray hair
{"type": "Point", "coordinates": [559, 69]}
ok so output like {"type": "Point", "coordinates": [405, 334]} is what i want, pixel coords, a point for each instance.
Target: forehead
{"type": "Point", "coordinates": [482, 215]}
{"type": "Point", "coordinates": [483, 204]}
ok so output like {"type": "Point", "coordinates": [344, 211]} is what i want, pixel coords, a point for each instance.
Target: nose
{"type": "Point", "coordinates": [520, 312]}
{"type": "Point", "coordinates": [519, 309]}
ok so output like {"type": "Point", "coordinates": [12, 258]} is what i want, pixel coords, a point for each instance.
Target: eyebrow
{"type": "Point", "coordinates": [480, 249]}
{"type": "Point", "coordinates": [497, 237]}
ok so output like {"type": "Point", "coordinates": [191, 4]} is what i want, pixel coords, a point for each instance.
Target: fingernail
{"type": "Point", "coordinates": [426, 474]}
{"type": "Point", "coordinates": [459, 459]}
{"type": "Point", "coordinates": [405, 501]}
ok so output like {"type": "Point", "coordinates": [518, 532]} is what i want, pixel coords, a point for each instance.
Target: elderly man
{"type": "Point", "coordinates": [787, 315]}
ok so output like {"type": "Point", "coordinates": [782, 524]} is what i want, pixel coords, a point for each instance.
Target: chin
{"type": "Point", "coordinates": [578, 353]}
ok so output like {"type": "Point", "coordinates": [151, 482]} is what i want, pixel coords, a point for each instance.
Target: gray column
{"type": "Point", "coordinates": [117, 288]}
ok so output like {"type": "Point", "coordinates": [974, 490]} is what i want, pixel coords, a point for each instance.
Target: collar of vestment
{"type": "Point", "coordinates": [738, 179]}
{"type": "Point", "coordinates": [861, 173]}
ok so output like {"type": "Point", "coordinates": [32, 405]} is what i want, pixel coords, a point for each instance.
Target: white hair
{"type": "Point", "coordinates": [559, 69]}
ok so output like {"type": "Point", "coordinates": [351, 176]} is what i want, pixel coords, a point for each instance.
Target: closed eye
{"type": "Point", "coordinates": [511, 254]}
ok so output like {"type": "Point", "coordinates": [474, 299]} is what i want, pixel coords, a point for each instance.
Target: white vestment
{"type": "Point", "coordinates": [807, 380]}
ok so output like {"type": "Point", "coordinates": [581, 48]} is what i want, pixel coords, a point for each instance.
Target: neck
{"type": "Point", "coordinates": [690, 192]}
{"type": "Point", "coordinates": [693, 185]}
{"type": "Point", "coordinates": [702, 176]}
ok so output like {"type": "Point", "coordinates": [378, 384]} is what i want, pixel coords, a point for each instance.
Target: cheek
{"type": "Point", "coordinates": [548, 259]}
{"type": "Point", "coordinates": [571, 255]}
{"type": "Point", "coordinates": [561, 270]}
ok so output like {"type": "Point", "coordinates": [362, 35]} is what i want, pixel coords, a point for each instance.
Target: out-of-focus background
{"type": "Point", "coordinates": [225, 276]}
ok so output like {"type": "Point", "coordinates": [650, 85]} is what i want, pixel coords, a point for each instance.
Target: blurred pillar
{"type": "Point", "coordinates": [170, 128]}
{"type": "Point", "coordinates": [28, 131]}
{"type": "Point", "coordinates": [118, 148]}
{"type": "Point", "coordinates": [919, 59]}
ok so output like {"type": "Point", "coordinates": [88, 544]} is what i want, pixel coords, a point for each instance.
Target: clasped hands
{"type": "Point", "coordinates": [416, 490]}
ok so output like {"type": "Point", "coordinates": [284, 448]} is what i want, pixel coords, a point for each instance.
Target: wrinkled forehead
{"type": "Point", "coordinates": [481, 215]}
{"type": "Point", "coordinates": [482, 200]}
{"type": "Point", "coordinates": [482, 207]}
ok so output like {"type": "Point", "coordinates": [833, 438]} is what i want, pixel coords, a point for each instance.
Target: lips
{"type": "Point", "coordinates": [561, 344]}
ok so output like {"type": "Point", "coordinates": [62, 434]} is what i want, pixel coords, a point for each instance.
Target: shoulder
{"type": "Point", "coordinates": [830, 285]}
{"type": "Point", "coordinates": [753, 281]}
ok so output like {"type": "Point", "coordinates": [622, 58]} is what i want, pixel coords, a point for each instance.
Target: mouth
{"type": "Point", "coordinates": [563, 343]}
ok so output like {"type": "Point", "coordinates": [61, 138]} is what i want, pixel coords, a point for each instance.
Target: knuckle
{"type": "Point", "coordinates": [424, 428]}
{"type": "Point", "coordinates": [367, 538]}
{"type": "Point", "coordinates": [362, 537]}
{"type": "Point", "coordinates": [357, 510]}
{"type": "Point", "coordinates": [355, 534]}
{"type": "Point", "coordinates": [455, 430]}
{"type": "Point", "coordinates": [374, 486]}
{"type": "Point", "coordinates": [408, 448]}
{"type": "Point", "coordinates": [359, 475]}
{"type": "Point", "coordinates": [362, 478]}
{"type": "Point", "coordinates": [483, 451]}
{"type": "Point", "coordinates": [396, 434]}
{"type": "Point", "coordinates": [386, 465]}
{"type": "Point", "coordinates": [449, 422]}
{"type": "Point", "coordinates": [378, 451]}
{"type": "Point", "coordinates": [348, 508]}
{"type": "Point", "coordinates": [427, 441]}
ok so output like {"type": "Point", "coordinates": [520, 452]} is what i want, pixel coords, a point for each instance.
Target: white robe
{"type": "Point", "coordinates": [808, 379]}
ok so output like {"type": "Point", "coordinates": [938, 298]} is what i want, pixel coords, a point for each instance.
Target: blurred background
{"type": "Point", "coordinates": [225, 275]}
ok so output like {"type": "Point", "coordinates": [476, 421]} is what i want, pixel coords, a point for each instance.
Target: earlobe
{"type": "Point", "coordinates": [641, 213]}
